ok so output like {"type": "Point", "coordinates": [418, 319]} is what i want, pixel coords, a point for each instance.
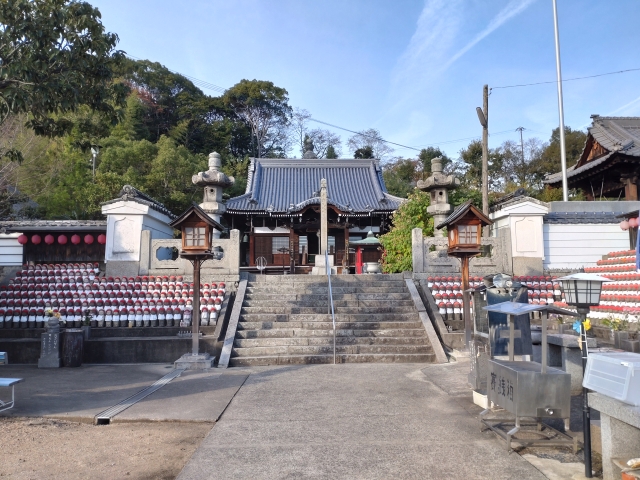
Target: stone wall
{"type": "Point", "coordinates": [426, 261]}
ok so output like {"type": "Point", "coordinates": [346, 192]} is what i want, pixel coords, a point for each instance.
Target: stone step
{"type": "Point", "coordinates": [326, 341]}
{"type": "Point", "coordinates": [300, 332]}
{"type": "Point", "coordinates": [324, 302]}
{"type": "Point", "coordinates": [326, 349]}
{"type": "Point", "coordinates": [322, 279]}
{"type": "Point", "coordinates": [317, 290]}
{"type": "Point", "coordinates": [294, 296]}
{"type": "Point", "coordinates": [318, 317]}
{"type": "Point", "coordinates": [328, 325]}
{"type": "Point", "coordinates": [342, 358]}
{"type": "Point", "coordinates": [387, 308]}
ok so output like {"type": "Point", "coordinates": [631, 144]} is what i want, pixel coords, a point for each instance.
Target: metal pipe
{"type": "Point", "coordinates": [563, 152]}
{"type": "Point", "coordinates": [586, 411]}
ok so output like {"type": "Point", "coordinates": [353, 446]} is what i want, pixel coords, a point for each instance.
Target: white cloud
{"type": "Point", "coordinates": [628, 108]}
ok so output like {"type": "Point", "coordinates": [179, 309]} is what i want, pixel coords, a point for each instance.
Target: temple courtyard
{"type": "Point", "coordinates": [363, 421]}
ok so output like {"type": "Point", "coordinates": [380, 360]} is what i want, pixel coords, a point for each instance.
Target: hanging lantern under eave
{"type": "Point", "coordinates": [624, 225]}
{"type": "Point", "coordinates": [36, 239]}
{"type": "Point", "coordinates": [62, 239]}
{"type": "Point", "coordinates": [102, 239]}
{"type": "Point", "coordinates": [23, 239]}
{"type": "Point", "coordinates": [75, 239]}
{"type": "Point", "coordinates": [88, 239]}
{"type": "Point", "coordinates": [49, 239]}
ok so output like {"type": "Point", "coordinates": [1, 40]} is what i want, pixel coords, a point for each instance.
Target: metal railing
{"type": "Point", "coordinates": [330, 306]}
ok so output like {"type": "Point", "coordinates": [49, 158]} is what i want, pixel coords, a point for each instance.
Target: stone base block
{"type": "Point", "coordinates": [523, 266]}
{"type": "Point", "coordinates": [189, 361]}
{"type": "Point", "coordinates": [49, 362]}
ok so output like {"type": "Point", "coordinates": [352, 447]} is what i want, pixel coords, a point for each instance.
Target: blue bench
{"type": "Point", "coordinates": [9, 382]}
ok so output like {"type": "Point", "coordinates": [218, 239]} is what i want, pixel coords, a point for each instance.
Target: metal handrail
{"type": "Point", "coordinates": [330, 306]}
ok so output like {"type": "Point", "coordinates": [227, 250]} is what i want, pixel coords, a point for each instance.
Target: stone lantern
{"type": "Point", "coordinates": [214, 182]}
{"type": "Point", "coordinates": [438, 185]}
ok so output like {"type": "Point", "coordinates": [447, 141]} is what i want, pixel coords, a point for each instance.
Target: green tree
{"type": "Point", "coordinates": [56, 56]}
{"type": "Point", "coordinates": [401, 175]}
{"type": "Point", "coordinates": [369, 139]}
{"type": "Point", "coordinates": [471, 167]}
{"type": "Point", "coordinates": [397, 243]}
{"type": "Point", "coordinates": [364, 152]}
{"type": "Point", "coordinates": [331, 152]}
{"type": "Point", "coordinates": [548, 161]}
{"type": "Point", "coordinates": [425, 156]}
{"type": "Point", "coordinates": [265, 109]}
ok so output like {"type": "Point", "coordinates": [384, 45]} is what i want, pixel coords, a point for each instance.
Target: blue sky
{"type": "Point", "coordinates": [413, 69]}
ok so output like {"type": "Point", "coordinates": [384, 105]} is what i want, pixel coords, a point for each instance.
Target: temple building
{"type": "Point", "coordinates": [279, 214]}
{"type": "Point", "coordinates": [610, 162]}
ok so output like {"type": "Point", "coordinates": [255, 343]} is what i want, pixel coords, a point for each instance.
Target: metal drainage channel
{"type": "Point", "coordinates": [104, 418]}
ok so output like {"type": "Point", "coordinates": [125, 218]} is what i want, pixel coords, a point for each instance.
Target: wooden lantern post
{"type": "Point", "coordinates": [464, 227]}
{"type": "Point", "coordinates": [197, 229]}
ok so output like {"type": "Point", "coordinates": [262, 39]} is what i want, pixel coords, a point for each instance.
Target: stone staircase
{"type": "Point", "coordinates": [284, 321]}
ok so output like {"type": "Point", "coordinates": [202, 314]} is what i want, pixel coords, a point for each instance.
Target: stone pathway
{"type": "Point", "coordinates": [356, 421]}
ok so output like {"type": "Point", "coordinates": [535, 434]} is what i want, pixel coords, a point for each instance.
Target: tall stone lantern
{"type": "Point", "coordinates": [214, 182]}
{"type": "Point", "coordinates": [438, 186]}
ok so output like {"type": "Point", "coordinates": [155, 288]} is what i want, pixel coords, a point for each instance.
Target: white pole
{"type": "Point", "coordinates": [563, 153]}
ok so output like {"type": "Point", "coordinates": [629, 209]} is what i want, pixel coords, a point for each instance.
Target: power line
{"type": "Point", "coordinates": [569, 79]}
{"type": "Point", "coordinates": [363, 135]}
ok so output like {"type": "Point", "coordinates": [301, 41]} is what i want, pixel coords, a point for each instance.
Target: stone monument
{"type": "Point", "coordinates": [50, 345]}
{"type": "Point", "coordinates": [214, 182]}
{"type": "Point", "coordinates": [438, 185]}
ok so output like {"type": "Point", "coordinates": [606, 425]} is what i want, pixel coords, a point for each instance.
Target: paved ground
{"type": "Point", "coordinates": [319, 421]}
{"type": "Point", "coordinates": [351, 421]}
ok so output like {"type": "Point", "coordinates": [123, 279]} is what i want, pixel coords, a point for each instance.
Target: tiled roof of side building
{"type": "Point", "coordinates": [10, 226]}
{"type": "Point", "coordinates": [131, 193]}
{"type": "Point", "coordinates": [616, 134]}
{"type": "Point", "coordinates": [581, 217]}
{"type": "Point", "coordinates": [289, 185]}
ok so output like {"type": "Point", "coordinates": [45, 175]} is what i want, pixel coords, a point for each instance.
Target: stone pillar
{"type": "Point", "coordinates": [324, 234]}
{"type": "Point", "coordinates": [214, 182]}
{"type": "Point", "coordinates": [50, 346]}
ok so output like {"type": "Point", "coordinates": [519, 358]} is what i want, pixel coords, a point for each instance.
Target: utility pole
{"type": "Point", "coordinates": [483, 116]}
{"type": "Point", "coordinates": [563, 152]}
{"type": "Point", "coordinates": [521, 129]}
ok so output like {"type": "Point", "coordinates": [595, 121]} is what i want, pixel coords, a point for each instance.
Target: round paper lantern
{"type": "Point", "coordinates": [88, 239]}
{"type": "Point", "coordinates": [75, 239]}
{"type": "Point", "coordinates": [49, 239]}
{"type": "Point", "coordinates": [36, 239]}
{"type": "Point", "coordinates": [102, 239]}
{"type": "Point", "coordinates": [633, 222]}
{"type": "Point", "coordinates": [22, 239]}
{"type": "Point", "coordinates": [624, 225]}
{"type": "Point", "coordinates": [62, 239]}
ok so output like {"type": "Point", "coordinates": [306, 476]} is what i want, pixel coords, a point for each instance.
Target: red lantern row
{"type": "Point", "coordinates": [62, 239]}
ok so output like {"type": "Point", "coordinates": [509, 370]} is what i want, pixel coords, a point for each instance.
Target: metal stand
{"type": "Point", "coordinates": [546, 436]}
{"type": "Point", "coordinates": [586, 411]}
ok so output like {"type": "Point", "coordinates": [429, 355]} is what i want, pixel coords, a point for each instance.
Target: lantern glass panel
{"type": "Point", "coordinates": [194, 237]}
{"type": "Point", "coordinates": [582, 292]}
{"type": "Point", "coordinates": [468, 234]}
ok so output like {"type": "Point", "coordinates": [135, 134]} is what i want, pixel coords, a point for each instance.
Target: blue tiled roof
{"type": "Point", "coordinates": [289, 185]}
{"type": "Point", "coordinates": [581, 217]}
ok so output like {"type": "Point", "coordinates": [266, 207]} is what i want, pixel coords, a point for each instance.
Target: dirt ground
{"type": "Point", "coordinates": [42, 448]}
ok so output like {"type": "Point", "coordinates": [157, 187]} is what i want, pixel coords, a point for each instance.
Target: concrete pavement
{"type": "Point", "coordinates": [356, 421]}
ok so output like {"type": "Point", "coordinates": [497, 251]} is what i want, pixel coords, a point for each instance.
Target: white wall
{"type": "Point", "coordinates": [10, 250]}
{"type": "Point", "coordinates": [575, 246]}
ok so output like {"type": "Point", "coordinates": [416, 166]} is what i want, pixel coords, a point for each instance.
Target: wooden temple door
{"type": "Point", "coordinates": [262, 247]}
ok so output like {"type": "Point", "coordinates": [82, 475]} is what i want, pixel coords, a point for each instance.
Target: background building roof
{"type": "Point", "coordinates": [616, 134]}
{"type": "Point", "coordinates": [289, 185]}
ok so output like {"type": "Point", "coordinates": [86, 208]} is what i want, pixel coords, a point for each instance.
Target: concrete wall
{"type": "Point", "coordinates": [573, 246]}
{"type": "Point", "coordinates": [10, 250]}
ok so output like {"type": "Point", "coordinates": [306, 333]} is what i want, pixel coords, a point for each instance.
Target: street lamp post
{"type": "Point", "coordinates": [583, 290]}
